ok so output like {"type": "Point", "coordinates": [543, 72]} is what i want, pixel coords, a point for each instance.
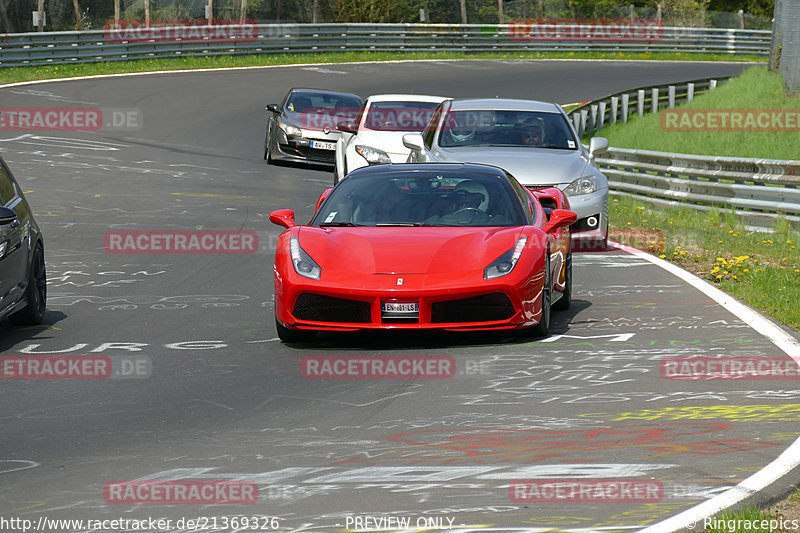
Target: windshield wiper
{"type": "Point", "coordinates": [399, 224]}
{"type": "Point", "coordinates": [339, 224]}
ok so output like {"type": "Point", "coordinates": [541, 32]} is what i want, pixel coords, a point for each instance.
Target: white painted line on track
{"type": "Point", "coordinates": [786, 461]}
{"type": "Point", "coordinates": [388, 61]}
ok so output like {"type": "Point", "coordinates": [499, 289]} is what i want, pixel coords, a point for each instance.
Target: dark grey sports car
{"type": "Point", "coordinates": [23, 281]}
{"type": "Point", "coordinates": [302, 128]}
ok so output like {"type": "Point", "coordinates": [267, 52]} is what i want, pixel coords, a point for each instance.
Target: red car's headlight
{"type": "Point", "coordinates": [303, 264]}
{"type": "Point", "coordinates": [506, 262]}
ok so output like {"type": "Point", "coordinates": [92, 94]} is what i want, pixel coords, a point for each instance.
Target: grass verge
{"type": "Point", "coordinates": [747, 520]}
{"type": "Point", "coordinates": [756, 88]}
{"type": "Point", "coordinates": [762, 269]}
{"type": "Point", "coordinates": [43, 71]}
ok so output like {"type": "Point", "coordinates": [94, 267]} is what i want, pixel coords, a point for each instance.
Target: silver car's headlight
{"type": "Point", "coordinates": [374, 156]}
{"type": "Point", "coordinates": [289, 129]}
{"type": "Point", "coordinates": [506, 262]}
{"type": "Point", "coordinates": [303, 264]}
{"type": "Point", "coordinates": [583, 185]}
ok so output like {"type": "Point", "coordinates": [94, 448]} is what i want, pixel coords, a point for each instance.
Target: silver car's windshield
{"type": "Point", "coordinates": [422, 199]}
{"type": "Point", "coordinates": [506, 128]}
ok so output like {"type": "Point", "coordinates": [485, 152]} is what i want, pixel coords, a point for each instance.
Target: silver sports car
{"type": "Point", "coordinates": [534, 141]}
{"type": "Point", "coordinates": [302, 128]}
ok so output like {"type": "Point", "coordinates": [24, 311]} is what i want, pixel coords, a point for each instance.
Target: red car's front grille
{"type": "Point", "coordinates": [318, 308]}
{"type": "Point", "coordinates": [485, 308]}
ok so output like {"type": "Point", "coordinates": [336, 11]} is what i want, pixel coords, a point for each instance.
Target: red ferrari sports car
{"type": "Point", "coordinates": [447, 246]}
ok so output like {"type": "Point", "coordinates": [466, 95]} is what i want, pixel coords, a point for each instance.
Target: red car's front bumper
{"type": "Point", "coordinates": [330, 307]}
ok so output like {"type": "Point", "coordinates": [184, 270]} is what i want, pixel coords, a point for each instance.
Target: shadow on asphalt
{"type": "Point", "coordinates": [11, 335]}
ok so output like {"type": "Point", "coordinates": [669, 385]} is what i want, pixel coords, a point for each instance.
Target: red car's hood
{"type": "Point", "coordinates": [406, 250]}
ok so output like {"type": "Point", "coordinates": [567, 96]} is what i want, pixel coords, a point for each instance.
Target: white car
{"type": "Point", "coordinates": [376, 136]}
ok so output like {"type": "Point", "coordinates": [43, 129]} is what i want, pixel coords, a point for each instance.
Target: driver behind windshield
{"type": "Point", "coordinates": [531, 133]}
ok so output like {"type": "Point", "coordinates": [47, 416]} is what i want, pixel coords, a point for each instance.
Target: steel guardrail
{"type": "Point", "coordinates": [760, 190]}
{"type": "Point", "coordinates": [590, 117]}
{"type": "Point", "coordinates": [19, 49]}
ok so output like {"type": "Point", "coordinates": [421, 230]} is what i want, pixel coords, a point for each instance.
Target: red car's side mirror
{"type": "Point", "coordinates": [322, 197]}
{"type": "Point", "coordinates": [283, 217]}
{"type": "Point", "coordinates": [560, 218]}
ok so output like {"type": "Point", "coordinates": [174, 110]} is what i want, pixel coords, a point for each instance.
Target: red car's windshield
{"type": "Point", "coordinates": [422, 199]}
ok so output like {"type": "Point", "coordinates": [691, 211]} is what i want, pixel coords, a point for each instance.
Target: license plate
{"type": "Point", "coordinates": [397, 307]}
{"type": "Point", "coordinates": [322, 145]}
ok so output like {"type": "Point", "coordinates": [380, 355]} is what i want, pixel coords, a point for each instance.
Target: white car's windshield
{"type": "Point", "coordinates": [398, 116]}
{"type": "Point", "coordinates": [506, 128]}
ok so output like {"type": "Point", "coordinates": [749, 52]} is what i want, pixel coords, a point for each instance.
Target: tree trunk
{"type": "Point", "coordinates": [116, 13]}
{"type": "Point", "coordinates": [500, 17]}
{"type": "Point", "coordinates": [243, 14]}
{"type": "Point", "coordinates": [41, 15]}
{"type": "Point", "coordinates": [463, 11]}
{"type": "Point", "coordinates": [77, 7]}
{"type": "Point", "coordinates": [4, 16]}
{"type": "Point", "coordinates": [147, 13]}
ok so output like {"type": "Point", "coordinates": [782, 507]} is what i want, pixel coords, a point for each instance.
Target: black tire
{"type": "Point", "coordinates": [35, 293]}
{"type": "Point", "coordinates": [565, 301]}
{"type": "Point", "coordinates": [267, 148]}
{"type": "Point", "coordinates": [293, 335]}
{"type": "Point", "coordinates": [542, 329]}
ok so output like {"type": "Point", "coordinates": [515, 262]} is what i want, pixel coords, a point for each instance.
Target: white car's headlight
{"type": "Point", "coordinates": [374, 156]}
{"type": "Point", "coordinates": [506, 262]}
{"type": "Point", "coordinates": [289, 129]}
{"type": "Point", "coordinates": [584, 185]}
{"type": "Point", "coordinates": [303, 264]}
